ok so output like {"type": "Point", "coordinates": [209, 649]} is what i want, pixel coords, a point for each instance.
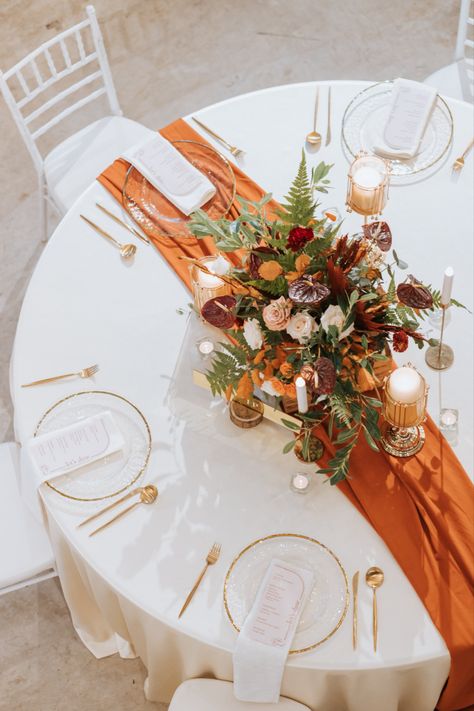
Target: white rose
{"type": "Point", "coordinates": [334, 316]}
{"type": "Point", "coordinates": [253, 333]}
{"type": "Point", "coordinates": [301, 326]}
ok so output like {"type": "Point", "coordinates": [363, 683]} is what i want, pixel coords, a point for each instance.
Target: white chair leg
{"type": "Point", "coordinates": [43, 206]}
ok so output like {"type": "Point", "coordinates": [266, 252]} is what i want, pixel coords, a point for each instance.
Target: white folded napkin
{"type": "Point", "coordinates": [170, 173]}
{"type": "Point", "coordinates": [64, 450]}
{"type": "Point", "coordinates": [410, 111]}
{"type": "Point", "coordinates": [267, 633]}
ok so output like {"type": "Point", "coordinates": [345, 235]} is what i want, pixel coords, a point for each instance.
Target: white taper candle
{"type": "Point", "coordinates": [447, 286]}
{"type": "Point", "coordinates": [301, 395]}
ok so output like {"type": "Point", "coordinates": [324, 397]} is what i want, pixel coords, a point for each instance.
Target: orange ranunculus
{"type": "Point", "coordinates": [286, 369]}
{"type": "Point", "coordinates": [302, 262]}
{"type": "Point", "coordinates": [245, 387]}
{"type": "Point", "coordinates": [270, 270]}
{"type": "Point", "coordinates": [281, 388]}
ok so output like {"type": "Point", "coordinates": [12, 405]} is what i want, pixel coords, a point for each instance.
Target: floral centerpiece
{"type": "Point", "coordinates": [309, 302]}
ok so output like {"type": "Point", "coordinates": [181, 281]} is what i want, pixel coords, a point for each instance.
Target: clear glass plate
{"type": "Point", "coordinates": [327, 603]}
{"type": "Point", "coordinates": [114, 473]}
{"type": "Point", "coordinates": [156, 215]}
{"type": "Point", "coordinates": [365, 118]}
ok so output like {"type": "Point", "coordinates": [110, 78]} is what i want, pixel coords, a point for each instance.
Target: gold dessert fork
{"type": "Point", "coordinates": [459, 162]}
{"type": "Point", "coordinates": [85, 373]}
{"type": "Point", "coordinates": [233, 149]}
{"type": "Point", "coordinates": [212, 557]}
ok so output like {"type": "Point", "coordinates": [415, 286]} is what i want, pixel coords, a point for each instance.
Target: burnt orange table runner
{"type": "Point", "coordinates": [422, 507]}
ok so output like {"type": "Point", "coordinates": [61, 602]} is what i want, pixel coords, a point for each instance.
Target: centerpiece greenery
{"type": "Point", "coordinates": [308, 301]}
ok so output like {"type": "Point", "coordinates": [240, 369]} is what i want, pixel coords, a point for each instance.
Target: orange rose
{"type": "Point", "coordinates": [270, 270]}
{"type": "Point", "coordinates": [286, 369]}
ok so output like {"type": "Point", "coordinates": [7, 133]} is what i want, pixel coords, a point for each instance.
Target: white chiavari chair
{"type": "Point", "coordinates": [215, 695]}
{"type": "Point", "coordinates": [61, 77]}
{"type": "Point", "coordinates": [26, 556]}
{"type": "Point", "coordinates": [457, 79]}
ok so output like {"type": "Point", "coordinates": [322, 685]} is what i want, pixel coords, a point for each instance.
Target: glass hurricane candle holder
{"type": "Point", "coordinates": [405, 394]}
{"type": "Point", "coordinates": [206, 285]}
{"type": "Point", "coordinates": [367, 185]}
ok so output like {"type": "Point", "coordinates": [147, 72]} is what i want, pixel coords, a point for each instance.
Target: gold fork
{"type": "Point", "coordinates": [233, 149]}
{"type": "Point", "coordinates": [85, 373]}
{"type": "Point", "coordinates": [459, 162]}
{"type": "Point", "coordinates": [212, 557]}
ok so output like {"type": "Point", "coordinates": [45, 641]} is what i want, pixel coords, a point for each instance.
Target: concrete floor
{"type": "Point", "coordinates": [168, 57]}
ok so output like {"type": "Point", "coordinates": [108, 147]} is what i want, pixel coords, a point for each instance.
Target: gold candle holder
{"type": "Point", "coordinates": [206, 286]}
{"type": "Point", "coordinates": [441, 356]}
{"type": "Point", "coordinates": [402, 433]}
{"type": "Point", "coordinates": [368, 182]}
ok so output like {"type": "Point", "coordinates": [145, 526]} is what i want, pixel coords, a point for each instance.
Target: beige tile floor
{"type": "Point", "coordinates": [168, 58]}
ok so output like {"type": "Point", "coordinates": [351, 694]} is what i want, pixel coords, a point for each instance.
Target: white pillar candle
{"type": "Point", "coordinates": [301, 395]}
{"type": "Point", "coordinates": [405, 385]}
{"type": "Point", "coordinates": [447, 286]}
{"type": "Point", "coordinates": [208, 281]}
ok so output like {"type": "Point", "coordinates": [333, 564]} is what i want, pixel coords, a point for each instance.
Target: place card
{"type": "Point", "coordinates": [74, 446]}
{"type": "Point", "coordinates": [274, 617]}
{"type": "Point", "coordinates": [170, 173]}
{"type": "Point", "coordinates": [410, 110]}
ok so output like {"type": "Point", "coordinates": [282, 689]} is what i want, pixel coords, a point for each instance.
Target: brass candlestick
{"type": "Point", "coordinates": [402, 433]}
{"type": "Point", "coordinates": [441, 356]}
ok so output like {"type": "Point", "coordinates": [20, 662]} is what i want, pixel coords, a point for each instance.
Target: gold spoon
{"type": "Point", "coordinates": [374, 578]}
{"type": "Point", "coordinates": [148, 495]}
{"type": "Point", "coordinates": [314, 138]}
{"type": "Point", "coordinates": [126, 250]}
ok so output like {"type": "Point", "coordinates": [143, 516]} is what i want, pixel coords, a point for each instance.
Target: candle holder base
{"type": "Point", "coordinates": [439, 358]}
{"type": "Point", "coordinates": [402, 441]}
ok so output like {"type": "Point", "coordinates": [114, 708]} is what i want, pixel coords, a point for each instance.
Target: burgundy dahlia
{"type": "Point", "coordinates": [298, 237]}
{"type": "Point", "coordinates": [400, 341]}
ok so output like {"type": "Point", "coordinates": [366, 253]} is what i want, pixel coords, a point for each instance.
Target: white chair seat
{"type": "Point", "coordinates": [454, 80]}
{"type": "Point", "coordinates": [72, 165]}
{"type": "Point", "coordinates": [214, 695]}
{"type": "Point", "coordinates": [25, 551]}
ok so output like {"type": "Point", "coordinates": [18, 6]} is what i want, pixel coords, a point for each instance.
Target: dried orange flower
{"type": "Point", "coordinates": [292, 276]}
{"type": "Point", "coordinates": [270, 270]}
{"type": "Point", "coordinates": [286, 369]}
{"type": "Point", "coordinates": [245, 387]}
{"type": "Point", "coordinates": [302, 262]}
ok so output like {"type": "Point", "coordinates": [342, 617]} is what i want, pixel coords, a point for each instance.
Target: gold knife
{"type": "Point", "coordinates": [328, 133]}
{"type": "Point", "coordinates": [124, 224]}
{"type": "Point", "coordinates": [355, 591]}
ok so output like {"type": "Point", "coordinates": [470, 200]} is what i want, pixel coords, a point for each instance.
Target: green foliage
{"type": "Point", "coordinates": [298, 206]}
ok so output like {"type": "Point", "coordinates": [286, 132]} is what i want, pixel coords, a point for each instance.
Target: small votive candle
{"type": "Point", "coordinates": [300, 483]}
{"type": "Point", "coordinates": [448, 419]}
{"type": "Point", "coordinates": [205, 347]}
{"type": "Point", "coordinates": [367, 188]}
{"type": "Point", "coordinates": [405, 397]}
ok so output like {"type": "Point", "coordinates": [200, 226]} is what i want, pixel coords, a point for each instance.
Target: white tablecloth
{"type": "Point", "coordinates": [125, 587]}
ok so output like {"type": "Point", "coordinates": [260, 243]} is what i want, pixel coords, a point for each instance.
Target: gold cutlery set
{"type": "Point", "coordinates": [314, 138]}
{"type": "Point", "coordinates": [85, 373]}
{"type": "Point", "coordinates": [127, 250]}
{"type": "Point", "coordinates": [146, 495]}
{"type": "Point", "coordinates": [232, 149]}
{"type": "Point", "coordinates": [374, 578]}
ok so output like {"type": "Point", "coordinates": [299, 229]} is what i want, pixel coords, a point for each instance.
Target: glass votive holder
{"type": "Point", "coordinates": [300, 482]}
{"type": "Point", "coordinates": [207, 285]}
{"type": "Point", "coordinates": [205, 347]}
{"type": "Point", "coordinates": [448, 419]}
{"type": "Point", "coordinates": [367, 185]}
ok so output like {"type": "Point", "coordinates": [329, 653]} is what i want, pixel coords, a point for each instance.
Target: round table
{"type": "Point", "coordinates": [125, 586]}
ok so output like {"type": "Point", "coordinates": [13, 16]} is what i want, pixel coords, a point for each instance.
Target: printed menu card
{"type": "Point", "coordinates": [268, 631]}
{"type": "Point", "coordinates": [170, 173]}
{"type": "Point", "coordinates": [74, 446]}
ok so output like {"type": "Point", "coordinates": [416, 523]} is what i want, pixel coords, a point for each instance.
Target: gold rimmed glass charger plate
{"type": "Point", "coordinates": [365, 118]}
{"type": "Point", "coordinates": [156, 215]}
{"type": "Point", "coordinates": [327, 602]}
{"type": "Point", "coordinates": [114, 473]}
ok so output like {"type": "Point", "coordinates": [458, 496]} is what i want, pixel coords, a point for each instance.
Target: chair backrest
{"type": "Point", "coordinates": [37, 80]}
{"type": "Point", "coordinates": [465, 37]}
